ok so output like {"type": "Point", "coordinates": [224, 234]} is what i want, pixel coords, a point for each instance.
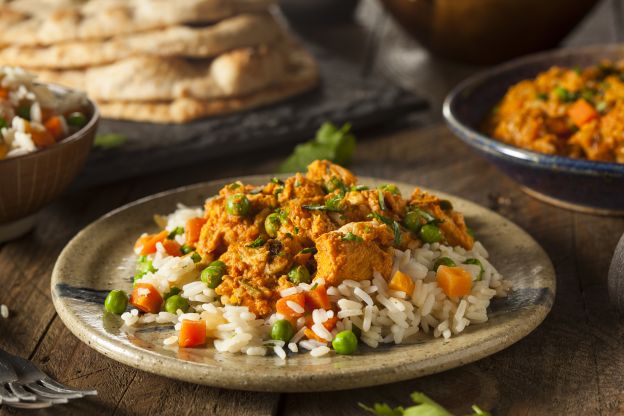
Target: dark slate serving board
{"type": "Point", "coordinates": [344, 95]}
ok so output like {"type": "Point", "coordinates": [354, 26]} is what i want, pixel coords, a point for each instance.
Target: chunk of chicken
{"type": "Point", "coordinates": [354, 252]}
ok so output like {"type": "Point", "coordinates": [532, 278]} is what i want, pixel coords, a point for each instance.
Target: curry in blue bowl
{"type": "Point", "coordinates": [553, 121]}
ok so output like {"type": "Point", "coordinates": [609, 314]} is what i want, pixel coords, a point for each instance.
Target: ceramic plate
{"type": "Point", "coordinates": [100, 258]}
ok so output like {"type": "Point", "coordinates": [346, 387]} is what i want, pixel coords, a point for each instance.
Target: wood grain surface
{"type": "Point", "coordinates": [572, 364]}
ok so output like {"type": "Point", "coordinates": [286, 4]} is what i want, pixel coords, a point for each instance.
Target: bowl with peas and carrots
{"type": "Point", "coordinates": [553, 122]}
{"type": "Point", "coordinates": [46, 133]}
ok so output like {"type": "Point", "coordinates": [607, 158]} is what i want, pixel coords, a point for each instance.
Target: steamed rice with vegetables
{"type": "Point", "coordinates": [32, 116]}
{"type": "Point", "coordinates": [315, 263]}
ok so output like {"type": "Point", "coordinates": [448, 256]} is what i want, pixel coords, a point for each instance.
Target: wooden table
{"type": "Point", "coordinates": [572, 364]}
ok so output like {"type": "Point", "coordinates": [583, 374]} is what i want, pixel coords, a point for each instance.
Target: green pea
{"type": "Point", "coordinates": [345, 342]}
{"type": "Point", "coordinates": [176, 302]}
{"type": "Point", "coordinates": [144, 266]}
{"type": "Point", "coordinates": [470, 232]}
{"type": "Point", "coordinates": [299, 274]}
{"type": "Point", "coordinates": [477, 262]}
{"type": "Point", "coordinates": [213, 274]}
{"type": "Point", "coordinates": [116, 301]}
{"type": "Point", "coordinates": [282, 330]}
{"type": "Point", "coordinates": [238, 205]}
{"type": "Point", "coordinates": [219, 264]}
{"type": "Point", "coordinates": [186, 249]}
{"type": "Point", "coordinates": [430, 233]}
{"type": "Point", "coordinates": [76, 119]}
{"type": "Point", "coordinates": [196, 257]}
{"type": "Point", "coordinates": [173, 291]}
{"type": "Point", "coordinates": [272, 223]}
{"type": "Point", "coordinates": [443, 261]}
{"type": "Point", "coordinates": [413, 221]}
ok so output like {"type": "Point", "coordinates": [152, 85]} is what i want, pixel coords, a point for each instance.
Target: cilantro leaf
{"type": "Point", "coordinates": [331, 143]}
{"type": "Point", "coordinates": [109, 140]}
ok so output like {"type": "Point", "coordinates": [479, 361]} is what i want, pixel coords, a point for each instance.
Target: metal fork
{"type": "Point", "coordinates": [23, 385]}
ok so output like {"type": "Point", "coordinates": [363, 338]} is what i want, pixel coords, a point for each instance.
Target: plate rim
{"type": "Point", "coordinates": [155, 363]}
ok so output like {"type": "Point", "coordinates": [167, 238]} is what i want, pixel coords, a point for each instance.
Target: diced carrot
{"type": "Point", "coordinates": [42, 138]}
{"type": "Point", "coordinates": [282, 305]}
{"type": "Point", "coordinates": [454, 281]}
{"type": "Point", "coordinates": [56, 126]}
{"type": "Point", "coordinates": [4, 92]}
{"type": "Point", "coordinates": [192, 333]}
{"type": "Point", "coordinates": [581, 112]}
{"type": "Point", "coordinates": [328, 324]}
{"type": "Point", "coordinates": [172, 247]}
{"type": "Point", "coordinates": [146, 298]}
{"type": "Point", "coordinates": [402, 282]}
{"type": "Point", "coordinates": [193, 229]}
{"type": "Point", "coordinates": [146, 244]}
{"type": "Point", "coordinates": [317, 299]}
{"type": "Point", "coordinates": [312, 335]}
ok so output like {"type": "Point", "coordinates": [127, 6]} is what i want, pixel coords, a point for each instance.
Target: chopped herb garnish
{"type": "Point", "coordinates": [316, 207]}
{"type": "Point", "coordinates": [352, 237]}
{"type": "Point", "coordinates": [565, 95]}
{"type": "Point", "coordinates": [336, 184]}
{"type": "Point", "coordinates": [389, 187]}
{"type": "Point", "coordinates": [382, 200]}
{"type": "Point", "coordinates": [333, 203]}
{"type": "Point", "coordinates": [144, 266]}
{"type": "Point", "coordinates": [258, 242]}
{"type": "Point", "coordinates": [109, 140]}
{"type": "Point", "coordinates": [423, 406]}
{"type": "Point", "coordinates": [396, 228]}
{"type": "Point", "coordinates": [588, 94]}
{"type": "Point", "coordinates": [196, 257]}
{"type": "Point", "coordinates": [601, 106]}
{"type": "Point", "coordinates": [308, 250]}
{"type": "Point", "coordinates": [297, 183]}
{"type": "Point", "coordinates": [542, 96]}
{"type": "Point", "coordinates": [174, 232]}
{"type": "Point", "coordinates": [380, 218]}
{"type": "Point", "coordinates": [296, 230]}
{"type": "Point", "coordinates": [314, 286]}
{"type": "Point", "coordinates": [277, 181]}
{"type": "Point", "coordinates": [234, 185]}
{"type": "Point", "coordinates": [185, 249]}
{"type": "Point", "coordinates": [359, 188]}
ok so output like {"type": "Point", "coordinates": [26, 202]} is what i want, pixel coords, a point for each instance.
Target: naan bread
{"type": "Point", "coordinates": [37, 23]}
{"type": "Point", "coordinates": [193, 42]}
{"type": "Point", "coordinates": [148, 78]}
{"type": "Point", "coordinates": [302, 76]}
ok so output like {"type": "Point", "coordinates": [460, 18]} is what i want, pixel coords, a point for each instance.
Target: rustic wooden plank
{"type": "Point", "coordinates": [595, 240]}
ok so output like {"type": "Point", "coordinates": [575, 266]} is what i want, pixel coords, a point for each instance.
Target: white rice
{"type": "Point", "coordinates": [381, 314]}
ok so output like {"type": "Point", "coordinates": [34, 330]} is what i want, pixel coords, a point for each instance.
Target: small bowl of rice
{"type": "Point", "coordinates": [46, 133]}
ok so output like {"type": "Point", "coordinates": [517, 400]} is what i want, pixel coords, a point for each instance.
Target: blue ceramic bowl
{"type": "Point", "coordinates": [583, 185]}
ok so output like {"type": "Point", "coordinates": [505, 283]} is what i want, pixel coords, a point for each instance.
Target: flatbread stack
{"type": "Point", "coordinates": [162, 61]}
